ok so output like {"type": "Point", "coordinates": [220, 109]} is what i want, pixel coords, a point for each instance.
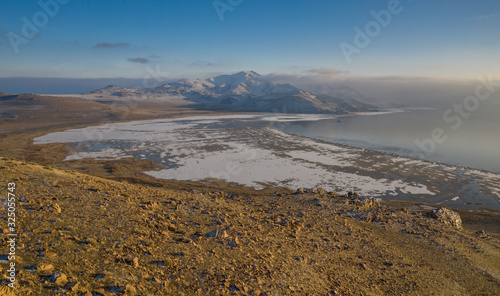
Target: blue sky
{"type": "Point", "coordinates": [187, 38]}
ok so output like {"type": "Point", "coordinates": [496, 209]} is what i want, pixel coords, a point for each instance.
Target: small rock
{"type": "Point", "coordinates": [218, 233]}
{"type": "Point", "coordinates": [23, 199]}
{"type": "Point", "coordinates": [117, 289]}
{"type": "Point", "coordinates": [90, 241]}
{"type": "Point", "coordinates": [71, 286]}
{"type": "Point", "coordinates": [130, 289]}
{"type": "Point", "coordinates": [156, 280]}
{"type": "Point", "coordinates": [44, 267]}
{"type": "Point", "coordinates": [135, 262]}
{"type": "Point", "coordinates": [50, 255]}
{"type": "Point", "coordinates": [300, 191]}
{"type": "Point", "coordinates": [481, 234]}
{"type": "Point", "coordinates": [212, 233]}
{"type": "Point", "coordinates": [56, 208]}
{"type": "Point", "coordinates": [100, 291]}
{"type": "Point", "coordinates": [58, 278]}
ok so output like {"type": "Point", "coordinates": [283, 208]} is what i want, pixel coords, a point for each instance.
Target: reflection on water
{"type": "Point", "coordinates": [474, 144]}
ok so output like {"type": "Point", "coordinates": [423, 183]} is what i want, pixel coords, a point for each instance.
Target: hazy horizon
{"type": "Point", "coordinates": [406, 92]}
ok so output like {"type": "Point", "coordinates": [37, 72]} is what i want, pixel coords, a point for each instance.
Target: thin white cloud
{"type": "Point", "coordinates": [482, 17]}
{"type": "Point", "coordinates": [200, 63]}
{"type": "Point", "coordinates": [111, 45]}
{"type": "Point", "coordinates": [138, 60]}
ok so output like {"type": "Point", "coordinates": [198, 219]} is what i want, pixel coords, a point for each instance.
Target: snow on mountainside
{"type": "Point", "coordinates": [246, 91]}
{"type": "Point", "coordinates": [341, 94]}
{"type": "Point", "coordinates": [250, 83]}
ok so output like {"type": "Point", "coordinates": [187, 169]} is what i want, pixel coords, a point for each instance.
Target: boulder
{"type": "Point", "coordinates": [352, 194]}
{"type": "Point", "coordinates": [300, 191]}
{"type": "Point", "coordinates": [447, 217]}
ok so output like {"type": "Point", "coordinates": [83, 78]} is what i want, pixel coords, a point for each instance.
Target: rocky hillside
{"type": "Point", "coordinates": [84, 235]}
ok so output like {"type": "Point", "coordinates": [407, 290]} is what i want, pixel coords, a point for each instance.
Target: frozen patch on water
{"type": "Point", "coordinates": [245, 149]}
{"type": "Point", "coordinates": [108, 153]}
{"type": "Point", "coordinates": [263, 166]}
{"type": "Point", "coordinates": [325, 157]}
{"type": "Point", "coordinates": [297, 117]}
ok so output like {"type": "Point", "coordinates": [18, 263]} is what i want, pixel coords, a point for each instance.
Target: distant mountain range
{"type": "Point", "coordinates": [248, 91]}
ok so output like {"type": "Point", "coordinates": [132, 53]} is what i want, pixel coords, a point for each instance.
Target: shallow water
{"type": "Point", "coordinates": [249, 150]}
{"type": "Point", "coordinates": [475, 143]}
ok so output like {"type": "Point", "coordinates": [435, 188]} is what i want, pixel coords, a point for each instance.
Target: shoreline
{"type": "Point", "coordinates": [357, 132]}
{"type": "Point", "coordinates": [59, 114]}
{"type": "Point", "coordinates": [383, 168]}
{"type": "Point", "coordinates": [394, 154]}
{"type": "Point", "coordinates": [17, 143]}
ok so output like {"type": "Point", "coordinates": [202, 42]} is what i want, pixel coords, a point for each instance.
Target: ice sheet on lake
{"type": "Point", "coordinates": [202, 147]}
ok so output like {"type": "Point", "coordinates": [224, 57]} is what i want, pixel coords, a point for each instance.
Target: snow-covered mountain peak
{"type": "Point", "coordinates": [250, 91]}
{"type": "Point", "coordinates": [244, 77]}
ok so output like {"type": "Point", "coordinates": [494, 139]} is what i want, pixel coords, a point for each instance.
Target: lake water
{"type": "Point", "coordinates": [475, 142]}
{"type": "Point", "coordinates": [252, 150]}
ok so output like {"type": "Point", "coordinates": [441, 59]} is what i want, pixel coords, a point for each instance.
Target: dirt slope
{"type": "Point", "coordinates": [105, 237]}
